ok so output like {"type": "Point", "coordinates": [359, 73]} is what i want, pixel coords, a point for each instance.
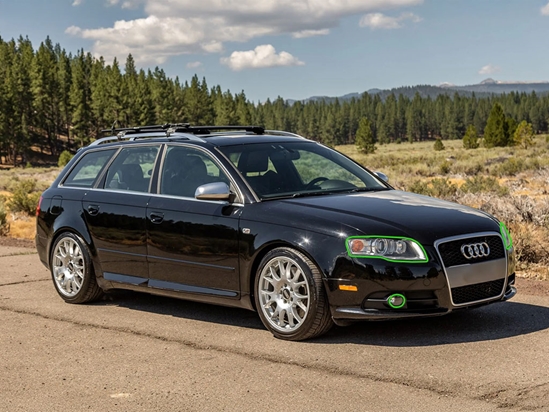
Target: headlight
{"type": "Point", "coordinates": [393, 249]}
{"type": "Point", "coordinates": [507, 241]}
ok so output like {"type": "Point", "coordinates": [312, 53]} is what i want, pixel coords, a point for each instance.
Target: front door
{"type": "Point", "coordinates": [193, 244]}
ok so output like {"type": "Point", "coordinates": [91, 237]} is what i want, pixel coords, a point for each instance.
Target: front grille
{"type": "Point", "coordinates": [452, 256]}
{"type": "Point", "coordinates": [478, 291]}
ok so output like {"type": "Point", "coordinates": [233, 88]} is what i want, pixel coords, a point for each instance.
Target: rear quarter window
{"type": "Point", "coordinates": [88, 168]}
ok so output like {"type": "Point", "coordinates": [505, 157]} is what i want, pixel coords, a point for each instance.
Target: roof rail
{"type": "Point", "coordinates": [283, 133]}
{"type": "Point", "coordinates": [210, 129]}
{"type": "Point", "coordinates": [184, 130]}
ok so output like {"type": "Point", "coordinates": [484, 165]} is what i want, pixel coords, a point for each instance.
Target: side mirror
{"type": "Point", "coordinates": [382, 176]}
{"type": "Point", "coordinates": [213, 191]}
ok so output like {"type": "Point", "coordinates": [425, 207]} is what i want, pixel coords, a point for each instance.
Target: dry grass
{"type": "Point", "coordinates": [511, 183]}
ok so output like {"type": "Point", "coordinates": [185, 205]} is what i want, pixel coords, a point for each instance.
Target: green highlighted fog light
{"type": "Point", "coordinates": [396, 301]}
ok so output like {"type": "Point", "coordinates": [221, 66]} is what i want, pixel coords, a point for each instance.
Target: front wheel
{"type": "Point", "coordinates": [290, 296]}
{"type": "Point", "coordinates": [71, 270]}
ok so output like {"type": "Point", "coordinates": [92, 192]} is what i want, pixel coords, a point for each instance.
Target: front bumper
{"type": "Point", "coordinates": [343, 314]}
{"type": "Point", "coordinates": [360, 289]}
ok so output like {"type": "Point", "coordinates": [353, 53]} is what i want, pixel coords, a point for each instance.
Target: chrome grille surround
{"type": "Point", "coordinates": [475, 272]}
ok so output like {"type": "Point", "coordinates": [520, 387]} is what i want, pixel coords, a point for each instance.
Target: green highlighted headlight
{"type": "Point", "coordinates": [507, 241]}
{"type": "Point", "coordinates": [390, 248]}
{"type": "Point", "coordinates": [396, 301]}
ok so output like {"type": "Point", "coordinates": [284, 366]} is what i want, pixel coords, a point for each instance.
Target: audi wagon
{"type": "Point", "coordinates": [263, 220]}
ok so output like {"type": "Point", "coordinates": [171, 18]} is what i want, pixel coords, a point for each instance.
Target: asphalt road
{"type": "Point", "coordinates": [135, 352]}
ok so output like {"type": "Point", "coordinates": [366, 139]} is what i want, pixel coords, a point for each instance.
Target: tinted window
{"type": "Point", "coordinates": [132, 169]}
{"type": "Point", "coordinates": [185, 169]}
{"type": "Point", "coordinates": [88, 168]}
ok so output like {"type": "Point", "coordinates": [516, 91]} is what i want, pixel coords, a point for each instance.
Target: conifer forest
{"type": "Point", "coordinates": [52, 100]}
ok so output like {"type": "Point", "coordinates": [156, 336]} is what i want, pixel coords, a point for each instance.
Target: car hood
{"type": "Point", "coordinates": [393, 213]}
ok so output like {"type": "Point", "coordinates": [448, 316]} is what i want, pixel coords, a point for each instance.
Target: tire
{"type": "Point", "coordinates": [72, 271]}
{"type": "Point", "coordinates": [290, 296]}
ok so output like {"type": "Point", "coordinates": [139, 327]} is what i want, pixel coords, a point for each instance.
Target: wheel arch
{"type": "Point", "coordinates": [58, 232]}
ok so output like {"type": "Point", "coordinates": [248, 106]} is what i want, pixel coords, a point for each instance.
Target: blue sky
{"type": "Point", "coordinates": [300, 48]}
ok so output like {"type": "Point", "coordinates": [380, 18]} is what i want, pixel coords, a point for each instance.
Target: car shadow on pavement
{"type": "Point", "coordinates": [497, 321]}
{"type": "Point", "coordinates": [183, 309]}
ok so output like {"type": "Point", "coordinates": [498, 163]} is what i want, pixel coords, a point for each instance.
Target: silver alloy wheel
{"type": "Point", "coordinates": [284, 294]}
{"type": "Point", "coordinates": [68, 267]}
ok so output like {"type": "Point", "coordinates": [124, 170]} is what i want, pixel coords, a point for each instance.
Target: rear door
{"type": "Point", "coordinates": [115, 214]}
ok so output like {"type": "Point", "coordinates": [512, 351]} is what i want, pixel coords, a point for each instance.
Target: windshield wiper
{"type": "Point", "coordinates": [367, 189]}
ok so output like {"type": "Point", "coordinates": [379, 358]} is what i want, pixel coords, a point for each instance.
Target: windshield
{"type": "Point", "coordinates": [275, 170]}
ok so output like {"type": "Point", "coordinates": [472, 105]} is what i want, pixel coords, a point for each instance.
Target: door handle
{"type": "Point", "coordinates": [93, 210]}
{"type": "Point", "coordinates": [156, 217]}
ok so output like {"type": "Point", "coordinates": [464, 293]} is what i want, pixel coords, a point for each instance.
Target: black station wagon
{"type": "Point", "coordinates": [267, 221]}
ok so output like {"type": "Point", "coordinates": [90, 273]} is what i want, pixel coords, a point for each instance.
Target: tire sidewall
{"type": "Point", "coordinates": [304, 328]}
{"type": "Point", "coordinates": [88, 272]}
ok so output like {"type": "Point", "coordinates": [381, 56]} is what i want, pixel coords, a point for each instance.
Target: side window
{"type": "Point", "coordinates": [185, 169]}
{"type": "Point", "coordinates": [132, 169]}
{"type": "Point", "coordinates": [88, 168]}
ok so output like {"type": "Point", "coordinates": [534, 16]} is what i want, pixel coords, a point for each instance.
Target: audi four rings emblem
{"type": "Point", "coordinates": [475, 250]}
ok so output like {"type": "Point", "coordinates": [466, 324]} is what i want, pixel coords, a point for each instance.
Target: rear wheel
{"type": "Point", "coordinates": [290, 296]}
{"type": "Point", "coordinates": [71, 270]}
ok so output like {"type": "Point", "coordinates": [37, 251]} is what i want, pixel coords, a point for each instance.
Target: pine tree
{"type": "Point", "coordinates": [364, 137]}
{"type": "Point", "coordinates": [46, 96]}
{"type": "Point", "coordinates": [496, 131]}
{"type": "Point", "coordinates": [80, 97]}
{"type": "Point", "coordinates": [470, 140]}
{"type": "Point", "coordinates": [524, 135]}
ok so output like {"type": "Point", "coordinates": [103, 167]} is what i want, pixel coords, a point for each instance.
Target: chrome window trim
{"type": "Point", "coordinates": [468, 236]}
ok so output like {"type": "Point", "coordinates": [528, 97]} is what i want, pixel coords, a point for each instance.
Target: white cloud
{"type": "Point", "coordinates": [381, 21]}
{"type": "Point", "coordinates": [178, 27]}
{"type": "Point", "coordinates": [545, 10]}
{"type": "Point", "coordinates": [489, 69]}
{"type": "Point", "coordinates": [194, 65]}
{"type": "Point", "coordinates": [310, 33]}
{"type": "Point", "coordinates": [76, 3]}
{"type": "Point", "coordinates": [261, 57]}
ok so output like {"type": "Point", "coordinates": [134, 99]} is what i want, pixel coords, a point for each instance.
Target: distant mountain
{"type": "Point", "coordinates": [484, 89]}
{"type": "Point", "coordinates": [499, 87]}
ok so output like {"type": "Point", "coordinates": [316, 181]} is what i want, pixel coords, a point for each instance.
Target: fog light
{"type": "Point", "coordinates": [396, 301]}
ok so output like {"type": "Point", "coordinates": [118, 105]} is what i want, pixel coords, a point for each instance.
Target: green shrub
{"type": "Point", "coordinates": [445, 167]}
{"type": "Point", "coordinates": [64, 158]}
{"type": "Point", "coordinates": [481, 184]}
{"type": "Point", "coordinates": [24, 197]}
{"type": "Point", "coordinates": [441, 188]}
{"type": "Point", "coordinates": [438, 146]}
{"type": "Point", "coordinates": [4, 225]}
{"type": "Point", "coordinates": [511, 167]}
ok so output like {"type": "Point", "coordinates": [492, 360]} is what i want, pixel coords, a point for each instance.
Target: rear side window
{"type": "Point", "coordinates": [88, 168]}
{"type": "Point", "coordinates": [132, 169]}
